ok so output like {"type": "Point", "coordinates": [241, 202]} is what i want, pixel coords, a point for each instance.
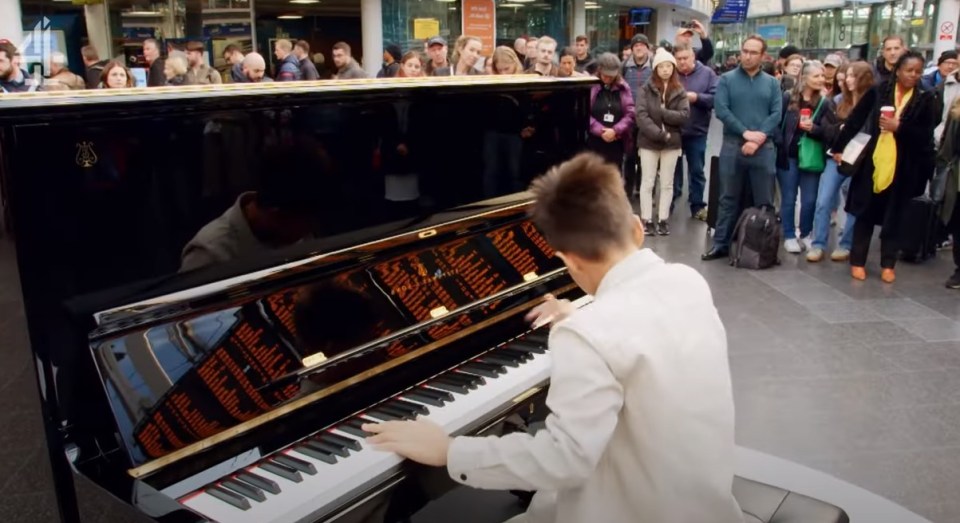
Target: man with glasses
{"type": "Point", "coordinates": [748, 102]}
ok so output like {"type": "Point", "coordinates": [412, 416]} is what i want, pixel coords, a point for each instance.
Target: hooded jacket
{"type": "Point", "coordinates": [624, 128]}
{"type": "Point", "coordinates": [289, 69]}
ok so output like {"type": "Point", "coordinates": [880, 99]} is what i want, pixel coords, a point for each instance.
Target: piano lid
{"type": "Point", "coordinates": [179, 383]}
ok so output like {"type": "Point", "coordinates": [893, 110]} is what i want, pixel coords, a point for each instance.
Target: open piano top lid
{"type": "Point", "coordinates": [191, 369]}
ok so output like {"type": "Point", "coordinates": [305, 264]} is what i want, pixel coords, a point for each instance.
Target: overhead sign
{"type": "Point", "coordinates": [480, 20]}
{"type": "Point", "coordinates": [765, 8]}
{"type": "Point", "coordinates": [730, 12]}
{"type": "Point", "coordinates": [947, 31]}
{"type": "Point", "coordinates": [774, 34]}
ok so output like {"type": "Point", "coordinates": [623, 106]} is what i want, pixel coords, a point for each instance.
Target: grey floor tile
{"type": "Point", "coordinates": [36, 507]}
{"type": "Point", "coordinates": [948, 304]}
{"type": "Point", "coordinates": [901, 309]}
{"type": "Point", "coordinates": [814, 292]}
{"type": "Point", "coordinates": [33, 476]}
{"type": "Point", "coordinates": [907, 389]}
{"type": "Point", "coordinates": [784, 277]}
{"type": "Point", "coordinates": [948, 512]}
{"type": "Point", "coordinates": [844, 312]}
{"type": "Point", "coordinates": [921, 355]}
{"type": "Point", "coordinates": [932, 329]}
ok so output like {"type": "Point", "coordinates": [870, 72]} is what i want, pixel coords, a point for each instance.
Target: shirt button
{"type": "Point", "coordinates": [463, 477]}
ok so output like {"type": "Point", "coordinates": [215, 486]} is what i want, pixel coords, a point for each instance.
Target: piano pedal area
{"type": "Point", "coordinates": [319, 476]}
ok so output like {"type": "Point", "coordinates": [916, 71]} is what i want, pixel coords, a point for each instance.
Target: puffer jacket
{"type": "Point", "coordinates": [660, 123]}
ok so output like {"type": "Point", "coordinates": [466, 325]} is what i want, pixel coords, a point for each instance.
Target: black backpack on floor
{"type": "Point", "coordinates": [756, 239]}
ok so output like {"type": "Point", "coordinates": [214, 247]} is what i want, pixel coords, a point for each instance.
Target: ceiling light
{"type": "Point", "coordinates": [591, 7]}
{"type": "Point", "coordinates": [304, 2]}
{"type": "Point", "coordinates": [289, 17]}
{"type": "Point", "coordinates": [511, 5]}
{"type": "Point", "coordinates": [447, 1]}
{"type": "Point", "coordinates": [522, 1]}
{"type": "Point", "coordinates": [143, 13]}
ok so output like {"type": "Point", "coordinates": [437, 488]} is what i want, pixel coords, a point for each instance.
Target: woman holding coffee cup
{"type": "Point", "coordinates": [801, 153]}
{"type": "Point", "coordinates": [894, 168]}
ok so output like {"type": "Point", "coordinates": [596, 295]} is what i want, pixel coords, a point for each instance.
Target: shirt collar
{"type": "Point", "coordinates": [638, 263]}
{"type": "Point", "coordinates": [238, 222]}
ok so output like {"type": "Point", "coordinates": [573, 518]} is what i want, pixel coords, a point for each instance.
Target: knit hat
{"type": "Point", "coordinates": [947, 55]}
{"type": "Point", "coordinates": [394, 51]}
{"type": "Point", "coordinates": [663, 55]}
{"type": "Point", "coordinates": [608, 64]}
{"type": "Point", "coordinates": [640, 38]}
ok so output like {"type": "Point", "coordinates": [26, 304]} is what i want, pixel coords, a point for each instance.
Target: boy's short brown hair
{"type": "Point", "coordinates": [581, 207]}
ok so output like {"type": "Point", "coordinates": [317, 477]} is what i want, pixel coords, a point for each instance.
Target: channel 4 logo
{"type": "Point", "coordinates": [36, 50]}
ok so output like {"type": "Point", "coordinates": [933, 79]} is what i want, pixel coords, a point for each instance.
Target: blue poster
{"type": "Point", "coordinates": [774, 34]}
{"type": "Point", "coordinates": [730, 12]}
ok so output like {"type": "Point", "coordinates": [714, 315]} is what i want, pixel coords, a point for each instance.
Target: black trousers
{"type": "Point", "coordinates": [954, 228]}
{"type": "Point", "coordinates": [862, 235]}
{"type": "Point", "coordinates": [631, 172]}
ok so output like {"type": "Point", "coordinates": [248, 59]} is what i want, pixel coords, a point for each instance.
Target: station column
{"type": "Point", "coordinates": [11, 22]}
{"type": "Point", "coordinates": [371, 32]}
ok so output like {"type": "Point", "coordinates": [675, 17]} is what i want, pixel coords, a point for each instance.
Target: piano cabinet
{"type": "Point", "coordinates": [182, 391]}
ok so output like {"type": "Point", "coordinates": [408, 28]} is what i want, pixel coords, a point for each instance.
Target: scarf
{"type": "Point", "coordinates": [885, 154]}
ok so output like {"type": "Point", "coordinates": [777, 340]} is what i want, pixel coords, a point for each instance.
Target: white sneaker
{"type": "Point", "coordinates": [807, 243]}
{"type": "Point", "coordinates": [792, 246]}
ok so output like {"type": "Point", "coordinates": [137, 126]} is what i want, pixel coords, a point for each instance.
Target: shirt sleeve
{"type": "Point", "coordinates": [771, 123]}
{"type": "Point", "coordinates": [584, 399]}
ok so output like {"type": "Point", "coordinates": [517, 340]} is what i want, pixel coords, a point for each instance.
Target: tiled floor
{"type": "Point", "coordinates": [858, 379]}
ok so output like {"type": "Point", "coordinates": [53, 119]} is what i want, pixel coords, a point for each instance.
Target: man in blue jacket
{"type": "Point", "coordinates": [748, 102]}
{"type": "Point", "coordinates": [288, 67]}
{"type": "Point", "coordinates": [701, 84]}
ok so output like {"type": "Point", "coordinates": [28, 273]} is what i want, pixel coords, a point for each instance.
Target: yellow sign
{"type": "Point", "coordinates": [424, 28]}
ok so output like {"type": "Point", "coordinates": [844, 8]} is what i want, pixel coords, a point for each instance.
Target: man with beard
{"type": "Point", "coordinates": [347, 67]}
{"type": "Point", "coordinates": [13, 79]}
{"type": "Point", "coordinates": [200, 73]}
{"type": "Point", "coordinates": [252, 69]}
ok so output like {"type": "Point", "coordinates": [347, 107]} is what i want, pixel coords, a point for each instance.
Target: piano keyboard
{"type": "Point", "coordinates": [322, 471]}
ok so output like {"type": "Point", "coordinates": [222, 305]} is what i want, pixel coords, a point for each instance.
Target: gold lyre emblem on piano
{"type": "Point", "coordinates": [86, 157]}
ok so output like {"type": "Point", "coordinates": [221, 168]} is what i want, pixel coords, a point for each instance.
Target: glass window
{"type": "Point", "coordinates": [603, 27]}
{"type": "Point", "coordinates": [540, 18]}
{"type": "Point", "coordinates": [399, 17]}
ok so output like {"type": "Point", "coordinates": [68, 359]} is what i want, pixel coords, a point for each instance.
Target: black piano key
{"type": "Point", "coordinates": [516, 354]}
{"type": "Point", "coordinates": [260, 482]}
{"type": "Point", "coordinates": [458, 381]}
{"type": "Point", "coordinates": [539, 337]}
{"type": "Point", "coordinates": [384, 415]}
{"type": "Point", "coordinates": [279, 469]}
{"type": "Point", "coordinates": [483, 369]}
{"type": "Point", "coordinates": [350, 443]}
{"type": "Point", "coordinates": [225, 495]}
{"type": "Point", "coordinates": [439, 394]}
{"type": "Point", "coordinates": [352, 426]}
{"type": "Point", "coordinates": [295, 463]}
{"type": "Point", "coordinates": [415, 407]}
{"type": "Point", "coordinates": [399, 411]}
{"type": "Point", "coordinates": [479, 380]}
{"type": "Point", "coordinates": [449, 387]}
{"type": "Point", "coordinates": [499, 360]}
{"type": "Point", "coordinates": [336, 450]}
{"type": "Point", "coordinates": [471, 379]}
{"type": "Point", "coordinates": [527, 347]}
{"type": "Point", "coordinates": [245, 490]}
{"type": "Point", "coordinates": [423, 398]}
{"type": "Point", "coordinates": [319, 455]}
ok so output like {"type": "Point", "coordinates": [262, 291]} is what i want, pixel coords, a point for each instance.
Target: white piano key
{"type": "Point", "coordinates": [334, 484]}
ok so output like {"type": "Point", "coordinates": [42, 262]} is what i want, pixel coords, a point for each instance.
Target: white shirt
{"type": "Point", "coordinates": [641, 428]}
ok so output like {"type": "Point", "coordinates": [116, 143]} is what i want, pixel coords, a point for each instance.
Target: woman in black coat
{"type": "Point", "coordinates": [912, 128]}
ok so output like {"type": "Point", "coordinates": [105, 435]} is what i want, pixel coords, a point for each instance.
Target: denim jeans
{"type": "Point", "coordinates": [694, 152]}
{"type": "Point", "coordinates": [828, 196]}
{"type": "Point", "coordinates": [792, 180]}
{"type": "Point", "coordinates": [735, 171]}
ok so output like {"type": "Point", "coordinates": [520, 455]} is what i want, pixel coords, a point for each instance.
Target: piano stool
{"type": "Point", "coordinates": [763, 503]}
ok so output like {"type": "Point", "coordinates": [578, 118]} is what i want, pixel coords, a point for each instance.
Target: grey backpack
{"type": "Point", "coordinates": [756, 239]}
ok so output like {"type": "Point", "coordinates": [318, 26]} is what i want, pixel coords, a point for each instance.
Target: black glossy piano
{"type": "Point", "coordinates": [223, 284]}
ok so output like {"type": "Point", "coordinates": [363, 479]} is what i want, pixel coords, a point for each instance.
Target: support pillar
{"type": "Point", "coordinates": [579, 26]}
{"type": "Point", "coordinates": [11, 21]}
{"type": "Point", "coordinates": [98, 29]}
{"type": "Point", "coordinates": [371, 30]}
{"type": "Point", "coordinates": [945, 33]}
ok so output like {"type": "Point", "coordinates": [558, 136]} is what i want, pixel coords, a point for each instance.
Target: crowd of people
{"type": "Point", "coordinates": [651, 114]}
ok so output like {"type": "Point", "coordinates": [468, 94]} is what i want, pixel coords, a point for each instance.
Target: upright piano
{"type": "Point", "coordinates": [382, 272]}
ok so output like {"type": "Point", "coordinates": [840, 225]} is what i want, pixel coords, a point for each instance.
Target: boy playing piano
{"type": "Point", "coordinates": [641, 423]}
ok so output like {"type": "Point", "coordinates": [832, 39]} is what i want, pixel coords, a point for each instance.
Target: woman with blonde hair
{"type": "Point", "coordinates": [946, 185]}
{"type": "Point", "coordinates": [506, 61]}
{"type": "Point", "coordinates": [802, 153]}
{"type": "Point", "coordinates": [857, 80]}
{"type": "Point", "coordinates": [466, 55]}
{"type": "Point", "coordinates": [175, 69]}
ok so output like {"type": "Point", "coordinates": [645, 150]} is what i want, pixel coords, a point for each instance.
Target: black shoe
{"type": "Point", "coordinates": [649, 229]}
{"type": "Point", "coordinates": [714, 254]}
{"type": "Point", "coordinates": [662, 228]}
{"type": "Point", "coordinates": [954, 281]}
